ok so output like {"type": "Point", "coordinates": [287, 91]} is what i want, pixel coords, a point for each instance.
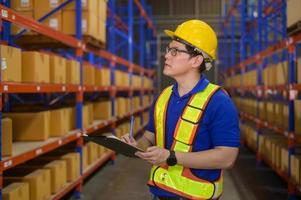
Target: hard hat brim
{"type": "Point", "coordinates": [170, 33]}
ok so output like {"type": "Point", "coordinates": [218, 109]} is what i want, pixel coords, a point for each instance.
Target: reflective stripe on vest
{"type": "Point", "coordinates": [177, 179]}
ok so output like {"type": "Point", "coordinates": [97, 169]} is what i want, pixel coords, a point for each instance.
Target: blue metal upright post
{"type": "Point", "coordinates": [130, 45]}
{"type": "Point", "coordinates": [6, 25]}
{"type": "Point", "coordinates": [111, 47]}
{"type": "Point", "coordinates": [142, 55]}
{"type": "Point", "coordinates": [79, 95]}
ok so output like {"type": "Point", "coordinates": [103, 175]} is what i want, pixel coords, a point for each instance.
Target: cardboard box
{"type": "Point", "coordinates": [59, 122]}
{"type": "Point", "coordinates": [284, 160]}
{"type": "Point", "coordinates": [270, 112]}
{"type": "Point", "coordinates": [136, 102]}
{"type": "Point", "coordinates": [88, 74]}
{"type": "Point", "coordinates": [54, 21]}
{"type": "Point", "coordinates": [295, 168]}
{"type": "Point", "coordinates": [102, 110]}
{"type": "Point", "coordinates": [47, 5]}
{"type": "Point", "coordinates": [101, 31]}
{"type": "Point", "coordinates": [73, 165]}
{"type": "Point", "coordinates": [92, 152]}
{"type": "Point", "coordinates": [73, 72]}
{"type": "Point", "coordinates": [87, 5]}
{"type": "Point", "coordinates": [293, 12]}
{"type": "Point", "coordinates": [57, 69]}
{"type": "Point", "coordinates": [16, 191]}
{"type": "Point", "coordinates": [85, 157]}
{"type": "Point", "coordinates": [282, 73]}
{"type": "Point", "coordinates": [102, 10]}
{"type": "Point", "coordinates": [11, 65]}
{"type": "Point", "coordinates": [298, 70]}
{"type": "Point", "coordinates": [102, 77]}
{"type": "Point", "coordinates": [87, 115]}
{"type": "Point", "coordinates": [35, 67]}
{"type": "Point", "coordinates": [120, 109]}
{"type": "Point", "coordinates": [38, 180]}
{"type": "Point", "coordinates": [297, 105]}
{"type": "Point", "coordinates": [57, 168]}
{"type": "Point", "coordinates": [58, 172]}
{"type": "Point", "coordinates": [7, 137]}
{"type": "Point", "coordinates": [21, 5]}
{"type": "Point", "coordinates": [30, 126]}
{"type": "Point", "coordinates": [71, 112]}
{"type": "Point", "coordinates": [118, 78]}
{"type": "Point", "coordinates": [89, 21]}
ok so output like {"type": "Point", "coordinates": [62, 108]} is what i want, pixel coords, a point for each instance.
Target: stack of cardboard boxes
{"type": "Point", "coordinates": [37, 67]}
{"type": "Point", "coordinates": [94, 14]}
{"type": "Point", "coordinates": [92, 153]}
{"type": "Point", "coordinates": [41, 177]}
{"type": "Point", "coordinates": [249, 78]}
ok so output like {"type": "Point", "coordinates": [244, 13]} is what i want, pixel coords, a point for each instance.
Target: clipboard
{"type": "Point", "coordinates": [114, 144]}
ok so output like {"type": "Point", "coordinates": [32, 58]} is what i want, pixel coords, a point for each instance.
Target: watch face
{"type": "Point", "coordinates": [171, 160]}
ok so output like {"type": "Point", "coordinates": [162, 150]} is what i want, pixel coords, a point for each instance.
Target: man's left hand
{"type": "Point", "coordinates": [154, 155]}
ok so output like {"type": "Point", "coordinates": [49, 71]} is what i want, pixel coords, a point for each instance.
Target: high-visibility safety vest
{"type": "Point", "coordinates": [178, 179]}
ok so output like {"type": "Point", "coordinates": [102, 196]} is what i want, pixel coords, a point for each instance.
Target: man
{"type": "Point", "coordinates": [193, 132]}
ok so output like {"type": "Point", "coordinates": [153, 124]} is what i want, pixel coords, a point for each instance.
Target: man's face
{"type": "Point", "coordinates": [177, 60]}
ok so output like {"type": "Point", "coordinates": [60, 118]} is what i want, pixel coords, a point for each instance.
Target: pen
{"type": "Point", "coordinates": [131, 127]}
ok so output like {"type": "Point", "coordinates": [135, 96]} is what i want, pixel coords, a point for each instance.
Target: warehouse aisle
{"type": "Point", "coordinates": [127, 177]}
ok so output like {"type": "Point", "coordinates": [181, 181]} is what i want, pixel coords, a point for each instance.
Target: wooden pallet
{"type": "Point", "coordinates": [294, 29]}
{"type": "Point", "coordinates": [93, 42]}
{"type": "Point", "coordinates": [36, 42]}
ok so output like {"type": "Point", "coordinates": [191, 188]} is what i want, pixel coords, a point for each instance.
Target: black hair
{"type": "Point", "coordinates": [193, 53]}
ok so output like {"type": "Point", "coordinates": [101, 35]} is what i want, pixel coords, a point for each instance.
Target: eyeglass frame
{"type": "Point", "coordinates": [175, 50]}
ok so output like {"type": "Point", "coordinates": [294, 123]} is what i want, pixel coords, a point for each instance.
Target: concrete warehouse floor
{"type": "Point", "coordinates": [126, 180]}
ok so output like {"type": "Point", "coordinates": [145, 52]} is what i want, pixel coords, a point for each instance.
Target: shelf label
{"type": "Point", "coordinates": [8, 163]}
{"type": "Point", "coordinates": [38, 88]}
{"type": "Point", "coordinates": [4, 13]}
{"type": "Point", "coordinates": [5, 87]}
{"type": "Point", "coordinates": [3, 64]}
{"type": "Point", "coordinates": [39, 151]}
{"type": "Point", "coordinates": [64, 88]}
{"type": "Point", "coordinates": [293, 94]}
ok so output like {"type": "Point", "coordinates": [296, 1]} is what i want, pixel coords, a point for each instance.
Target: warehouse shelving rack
{"type": "Point", "coordinates": [263, 41]}
{"type": "Point", "coordinates": [82, 50]}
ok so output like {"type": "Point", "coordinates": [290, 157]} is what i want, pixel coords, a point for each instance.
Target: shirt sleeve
{"type": "Point", "coordinates": [224, 126]}
{"type": "Point", "coordinates": [151, 122]}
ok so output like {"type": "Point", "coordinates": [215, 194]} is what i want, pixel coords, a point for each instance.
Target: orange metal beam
{"type": "Point", "coordinates": [13, 87]}
{"type": "Point", "coordinates": [146, 17]}
{"type": "Point", "coordinates": [10, 162]}
{"type": "Point", "coordinates": [16, 18]}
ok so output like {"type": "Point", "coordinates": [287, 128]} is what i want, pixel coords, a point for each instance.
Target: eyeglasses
{"type": "Point", "coordinates": [174, 51]}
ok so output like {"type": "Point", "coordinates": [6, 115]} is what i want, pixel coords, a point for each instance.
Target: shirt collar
{"type": "Point", "coordinates": [200, 86]}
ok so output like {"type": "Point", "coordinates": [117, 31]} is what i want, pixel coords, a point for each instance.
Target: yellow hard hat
{"type": "Point", "coordinates": [198, 34]}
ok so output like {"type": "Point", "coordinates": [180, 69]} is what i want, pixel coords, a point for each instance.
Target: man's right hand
{"type": "Point", "coordinates": [128, 139]}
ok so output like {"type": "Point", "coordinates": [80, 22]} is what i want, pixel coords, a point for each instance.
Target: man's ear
{"type": "Point", "coordinates": [197, 61]}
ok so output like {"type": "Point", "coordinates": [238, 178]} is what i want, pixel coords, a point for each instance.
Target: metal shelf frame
{"type": "Point", "coordinates": [123, 58]}
{"type": "Point", "coordinates": [263, 40]}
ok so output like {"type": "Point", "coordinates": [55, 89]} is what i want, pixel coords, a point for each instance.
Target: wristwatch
{"type": "Point", "coordinates": [171, 160]}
